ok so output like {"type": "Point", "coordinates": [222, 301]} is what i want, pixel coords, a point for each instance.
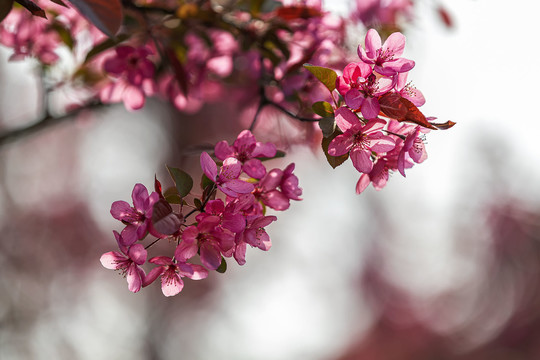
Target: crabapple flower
{"type": "Point", "coordinates": [246, 149]}
{"type": "Point", "coordinates": [414, 148]}
{"type": "Point", "coordinates": [365, 95]}
{"type": "Point", "coordinates": [128, 261]}
{"type": "Point", "coordinates": [171, 273]}
{"type": "Point", "coordinates": [227, 179]}
{"type": "Point", "coordinates": [136, 218]}
{"type": "Point", "coordinates": [409, 92]}
{"type": "Point", "coordinates": [386, 57]}
{"type": "Point", "coordinates": [134, 73]}
{"type": "Point", "coordinates": [207, 238]}
{"type": "Point", "coordinates": [255, 235]}
{"type": "Point", "coordinates": [360, 141]}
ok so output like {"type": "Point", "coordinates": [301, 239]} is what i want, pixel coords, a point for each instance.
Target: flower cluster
{"type": "Point", "coordinates": [228, 216]}
{"type": "Point", "coordinates": [377, 123]}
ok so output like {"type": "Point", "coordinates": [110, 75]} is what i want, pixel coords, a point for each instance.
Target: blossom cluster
{"type": "Point", "coordinates": [187, 54]}
{"type": "Point", "coordinates": [229, 215]}
{"type": "Point", "coordinates": [377, 123]}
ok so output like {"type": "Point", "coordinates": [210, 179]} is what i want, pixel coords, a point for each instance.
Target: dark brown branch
{"type": "Point", "coordinates": [45, 122]}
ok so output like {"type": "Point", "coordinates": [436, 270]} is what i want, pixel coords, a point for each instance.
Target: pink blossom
{"type": "Point", "coordinates": [207, 238]}
{"type": "Point", "coordinates": [246, 150]}
{"type": "Point", "coordinates": [171, 273]}
{"type": "Point", "coordinates": [382, 13]}
{"type": "Point", "coordinates": [255, 235]}
{"type": "Point", "coordinates": [227, 179]}
{"type": "Point", "coordinates": [230, 219]}
{"type": "Point", "coordinates": [128, 262]}
{"type": "Point", "coordinates": [414, 148]}
{"type": "Point", "coordinates": [386, 57]}
{"type": "Point", "coordinates": [29, 35]}
{"type": "Point", "coordinates": [365, 95]}
{"type": "Point", "coordinates": [136, 218]}
{"type": "Point", "coordinates": [134, 73]}
{"type": "Point", "coordinates": [360, 141]}
{"type": "Point", "coordinates": [408, 91]}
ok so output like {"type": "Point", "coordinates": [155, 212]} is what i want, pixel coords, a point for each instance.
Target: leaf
{"type": "Point", "coordinates": [397, 107]}
{"type": "Point", "coordinates": [59, 2]}
{"type": "Point", "coordinates": [33, 8]}
{"type": "Point", "coordinates": [105, 45]}
{"type": "Point", "coordinates": [106, 15]}
{"type": "Point", "coordinates": [223, 266]}
{"type": "Point", "coordinates": [326, 76]}
{"type": "Point", "coordinates": [157, 187]}
{"type": "Point", "coordinates": [334, 161]}
{"type": "Point", "coordinates": [197, 203]}
{"type": "Point", "coordinates": [64, 34]}
{"type": "Point", "coordinates": [414, 115]}
{"type": "Point", "coordinates": [392, 106]}
{"type": "Point", "coordinates": [164, 220]}
{"type": "Point", "coordinates": [179, 71]}
{"type": "Point", "coordinates": [328, 126]}
{"type": "Point", "coordinates": [182, 180]}
{"type": "Point", "coordinates": [297, 12]}
{"type": "Point", "coordinates": [443, 126]}
{"type": "Point", "coordinates": [323, 109]}
{"type": "Point", "coordinates": [5, 8]}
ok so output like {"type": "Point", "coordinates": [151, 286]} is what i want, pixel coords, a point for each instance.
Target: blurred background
{"type": "Point", "coordinates": [443, 264]}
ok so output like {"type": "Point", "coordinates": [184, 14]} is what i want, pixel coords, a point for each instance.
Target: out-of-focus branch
{"type": "Point", "coordinates": [45, 122]}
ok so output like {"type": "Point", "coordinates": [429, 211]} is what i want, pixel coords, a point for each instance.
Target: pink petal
{"type": "Point", "coordinates": [121, 210]}
{"type": "Point", "coordinates": [208, 166]}
{"type": "Point", "coordinates": [139, 197]}
{"type": "Point", "coordinates": [371, 108]}
{"type": "Point", "coordinates": [395, 44]}
{"type": "Point", "coordinates": [133, 97]}
{"type": "Point", "coordinates": [340, 145]}
{"type": "Point", "coordinates": [223, 150]}
{"type": "Point", "coordinates": [345, 118]}
{"type": "Point", "coordinates": [138, 254]}
{"type": "Point", "coordinates": [373, 43]}
{"type": "Point", "coordinates": [254, 168]}
{"type": "Point", "coordinates": [171, 283]}
{"type": "Point", "coordinates": [276, 200]}
{"type": "Point", "coordinates": [111, 260]}
{"type": "Point", "coordinates": [152, 275]}
{"type": "Point", "coordinates": [362, 183]}
{"type": "Point", "coordinates": [354, 99]}
{"type": "Point", "coordinates": [240, 253]}
{"type": "Point", "coordinates": [361, 160]}
{"type": "Point", "coordinates": [210, 256]}
{"type": "Point", "coordinates": [134, 277]}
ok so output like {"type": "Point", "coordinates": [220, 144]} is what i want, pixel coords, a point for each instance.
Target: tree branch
{"type": "Point", "coordinates": [45, 122]}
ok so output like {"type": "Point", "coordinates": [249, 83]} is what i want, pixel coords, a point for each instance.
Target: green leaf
{"type": "Point", "coordinates": [223, 266]}
{"type": "Point", "coordinates": [184, 182]}
{"type": "Point", "coordinates": [171, 195]}
{"type": "Point", "coordinates": [326, 76]}
{"type": "Point", "coordinates": [323, 109]}
{"type": "Point", "coordinates": [64, 34]}
{"type": "Point", "coordinates": [334, 161]}
{"type": "Point", "coordinates": [105, 45]}
{"type": "Point", "coordinates": [197, 203]}
{"type": "Point", "coordinates": [328, 126]}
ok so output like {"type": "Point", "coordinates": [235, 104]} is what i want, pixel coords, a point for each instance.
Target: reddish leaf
{"type": "Point", "coordinates": [59, 2]}
{"type": "Point", "coordinates": [179, 71]}
{"type": "Point", "coordinates": [392, 106]}
{"type": "Point", "coordinates": [106, 15]}
{"type": "Point", "coordinates": [415, 116]}
{"type": "Point", "coordinates": [33, 8]}
{"type": "Point", "coordinates": [5, 8]}
{"type": "Point", "coordinates": [397, 107]}
{"type": "Point", "coordinates": [164, 220]}
{"type": "Point", "coordinates": [157, 187]}
{"type": "Point", "coordinates": [297, 12]}
{"type": "Point", "coordinates": [444, 126]}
